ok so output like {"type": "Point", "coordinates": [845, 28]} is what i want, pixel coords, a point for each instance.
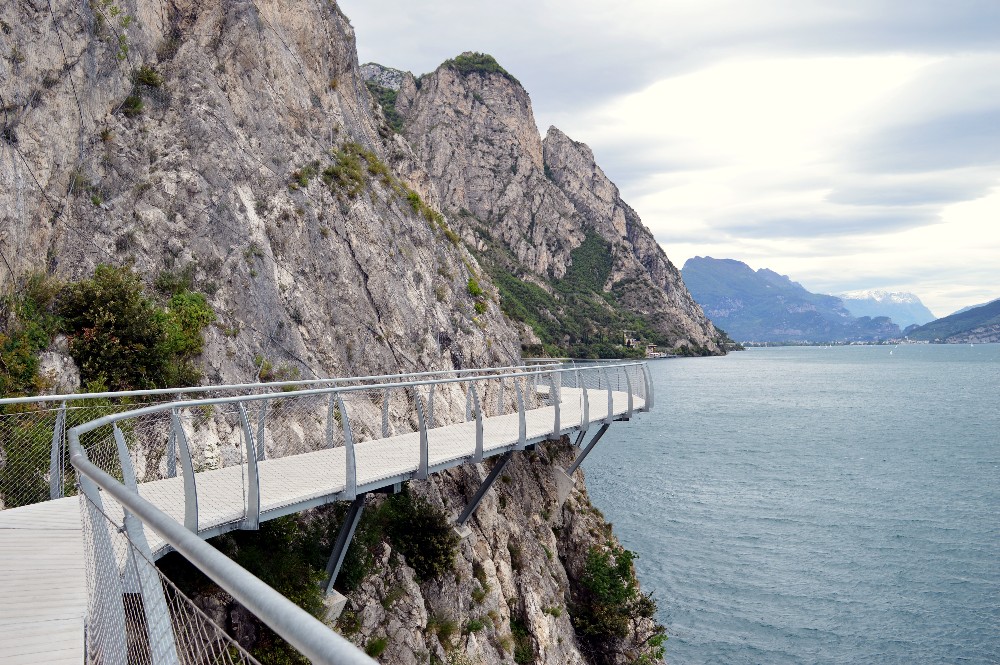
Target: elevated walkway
{"type": "Point", "coordinates": [43, 547]}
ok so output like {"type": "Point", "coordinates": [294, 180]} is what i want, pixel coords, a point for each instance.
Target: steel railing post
{"type": "Point", "coordinates": [187, 468]}
{"type": "Point", "coordinates": [522, 422]}
{"type": "Point", "coordinates": [611, 397]}
{"type": "Point", "coordinates": [554, 384]}
{"type": "Point", "coordinates": [648, 380]}
{"type": "Point", "coordinates": [57, 455]}
{"type": "Point", "coordinates": [172, 448]}
{"type": "Point", "coordinates": [251, 519]}
{"type": "Point", "coordinates": [351, 488]}
{"type": "Point", "coordinates": [478, 455]}
{"type": "Point", "coordinates": [500, 396]}
{"type": "Point", "coordinates": [628, 391]}
{"type": "Point", "coordinates": [422, 467]}
{"type": "Point", "coordinates": [585, 420]}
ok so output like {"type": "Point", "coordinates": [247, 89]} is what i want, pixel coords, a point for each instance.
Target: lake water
{"type": "Point", "coordinates": [811, 505]}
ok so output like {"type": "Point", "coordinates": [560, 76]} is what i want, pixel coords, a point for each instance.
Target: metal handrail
{"type": "Point", "coordinates": [247, 386]}
{"type": "Point", "coordinates": [296, 626]}
{"type": "Point", "coordinates": [155, 408]}
{"type": "Point", "coordinates": [302, 630]}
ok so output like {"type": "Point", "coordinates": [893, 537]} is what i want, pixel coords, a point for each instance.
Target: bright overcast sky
{"type": "Point", "coordinates": [850, 144]}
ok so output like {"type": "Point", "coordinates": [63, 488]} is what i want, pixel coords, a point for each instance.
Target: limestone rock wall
{"type": "Point", "coordinates": [217, 167]}
{"type": "Point", "coordinates": [476, 137]}
{"type": "Point", "coordinates": [252, 92]}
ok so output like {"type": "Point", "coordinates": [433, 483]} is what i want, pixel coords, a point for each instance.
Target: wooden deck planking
{"type": "Point", "coordinates": [42, 584]}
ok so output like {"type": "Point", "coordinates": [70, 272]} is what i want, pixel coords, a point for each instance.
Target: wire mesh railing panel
{"type": "Point", "coordinates": [303, 442]}
{"type": "Point", "coordinates": [25, 457]}
{"type": "Point", "coordinates": [136, 615]}
{"type": "Point", "coordinates": [391, 411]}
{"type": "Point", "coordinates": [34, 462]}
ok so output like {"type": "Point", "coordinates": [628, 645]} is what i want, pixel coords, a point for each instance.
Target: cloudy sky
{"type": "Point", "coordinates": [849, 144]}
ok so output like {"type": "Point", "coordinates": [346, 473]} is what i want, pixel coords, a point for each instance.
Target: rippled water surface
{"type": "Point", "coordinates": [811, 505]}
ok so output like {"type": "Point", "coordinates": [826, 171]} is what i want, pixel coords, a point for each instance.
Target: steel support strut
{"type": "Point", "coordinates": [484, 488]}
{"type": "Point", "coordinates": [343, 541]}
{"type": "Point", "coordinates": [586, 451]}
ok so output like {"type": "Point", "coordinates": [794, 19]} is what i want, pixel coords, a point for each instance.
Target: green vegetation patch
{"type": "Point", "coordinates": [386, 98]}
{"type": "Point", "coordinates": [352, 171]}
{"type": "Point", "coordinates": [574, 316]}
{"type": "Point", "coordinates": [478, 63]}
{"type": "Point", "coordinates": [608, 608]}
{"type": "Point", "coordinates": [120, 337]}
{"type": "Point", "coordinates": [27, 324]}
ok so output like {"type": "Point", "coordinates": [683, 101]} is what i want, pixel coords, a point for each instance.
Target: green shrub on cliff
{"type": "Point", "coordinates": [481, 63]}
{"type": "Point", "coordinates": [121, 338]}
{"type": "Point", "coordinates": [611, 614]}
{"type": "Point", "coordinates": [27, 324]}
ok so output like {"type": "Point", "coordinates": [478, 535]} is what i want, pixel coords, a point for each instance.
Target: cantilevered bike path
{"type": "Point", "coordinates": [267, 454]}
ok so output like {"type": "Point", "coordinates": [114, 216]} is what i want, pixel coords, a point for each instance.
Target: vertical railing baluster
{"type": "Point", "coordinates": [648, 381]}
{"type": "Point", "coordinates": [522, 422]}
{"type": "Point", "coordinates": [172, 452]}
{"type": "Point", "coordinates": [141, 576]}
{"type": "Point", "coordinates": [628, 391]}
{"type": "Point", "coordinates": [251, 510]}
{"type": "Point", "coordinates": [422, 466]}
{"type": "Point", "coordinates": [478, 454]}
{"type": "Point", "coordinates": [611, 398]}
{"type": "Point", "coordinates": [187, 468]}
{"type": "Point", "coordinates": [555, 379]}
{"type": "Point", "coordinates": [351, 488]}
{"type": "Point", "coordinates": [430, 408]}
{"type": "Point", "coordinates": [57, 455]}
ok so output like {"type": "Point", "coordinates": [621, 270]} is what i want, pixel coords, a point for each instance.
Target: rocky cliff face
{"type": "Point", "coordinates": [195, 171]}
{"type": "Point", "coordinates": [516, 580]}
{"type": "Point", "coordinates": [472, 128]}
{"type": "Point", "coordinates": [236, 143]}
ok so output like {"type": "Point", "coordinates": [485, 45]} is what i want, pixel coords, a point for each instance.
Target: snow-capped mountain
{"type": "Point", "coordinates": [903, 308]}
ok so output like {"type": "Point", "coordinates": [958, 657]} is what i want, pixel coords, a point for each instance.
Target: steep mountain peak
{"type": "Point", "coordinates": [904, 308]}
{"type": "Point", "coordinates": [472, 62]}
{"type": "Point", "coordinates": [880, 295]}
{"type": "Point", "coordinates": [763, 306]}
{"type": "Point", "coordinates": [532, 209]}
{"type": "Point", "coordinates": [383, 76]}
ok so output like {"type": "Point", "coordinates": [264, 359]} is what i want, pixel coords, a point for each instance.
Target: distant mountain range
{"type": "Point", "coordinates": [966, 309]}
{"type": "Point", "coordinates": [978, 325]}
{"type": "Point", "coordinates": [763, 306]}
{"type": "Point", "coordinates": [905, 309]}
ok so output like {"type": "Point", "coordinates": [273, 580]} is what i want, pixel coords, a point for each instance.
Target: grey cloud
{"type": "Point", "coordinates": [970, 138]}
{"type": "Point", "coordinates": [914, 189]}
{"type": "Point", "coordinates": [827, 224]}
{"type": "Point", "coordinates": [568, 59]}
